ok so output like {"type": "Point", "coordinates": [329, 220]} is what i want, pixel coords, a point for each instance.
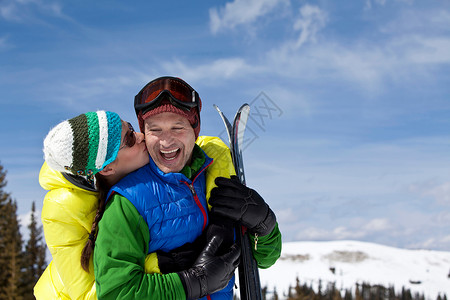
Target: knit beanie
{"type": "Point", "coordinates": [84, 145]}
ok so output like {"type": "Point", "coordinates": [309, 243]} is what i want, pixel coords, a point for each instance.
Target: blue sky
{"type": "Point", "coordinates": [349, 133]}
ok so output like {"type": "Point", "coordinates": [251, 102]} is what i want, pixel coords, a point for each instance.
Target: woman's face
{"type": "Point", "coordinates": [130, 158]}
{"type": "Point", "coordinates": [170, 140]}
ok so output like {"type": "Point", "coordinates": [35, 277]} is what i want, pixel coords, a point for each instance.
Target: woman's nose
{"type": "Point", "coordinates": [139, 137]}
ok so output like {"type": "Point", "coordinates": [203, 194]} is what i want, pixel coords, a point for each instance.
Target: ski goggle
{"type": "Point", "coordinates": [179, 93]}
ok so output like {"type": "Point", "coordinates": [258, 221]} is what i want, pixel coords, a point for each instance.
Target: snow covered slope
{"type": "Point", "coordinates": [349, 262]}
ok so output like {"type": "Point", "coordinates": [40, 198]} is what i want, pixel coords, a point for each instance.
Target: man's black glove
{"type": "Point", "coordinates": [234, 200]}
{"type": "Point", "coordinates": [220, 226]}
{"type": "Point", "coordinates": [210, 272]}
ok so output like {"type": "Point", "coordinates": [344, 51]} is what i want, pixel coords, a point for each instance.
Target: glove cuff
{"type": "Point", "coordinates": [266, 226]}
{"type": "Point", "coordinates": [194, 282]}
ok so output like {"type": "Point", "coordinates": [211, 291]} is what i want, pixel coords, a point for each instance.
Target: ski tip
{"type": "Point", "coordinates": [245, 106]}
{"type": "Point", "coordinates": [216, 107]}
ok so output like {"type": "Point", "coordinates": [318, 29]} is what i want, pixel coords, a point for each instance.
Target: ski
{"type": "Point", "coordinates": [249, 283]}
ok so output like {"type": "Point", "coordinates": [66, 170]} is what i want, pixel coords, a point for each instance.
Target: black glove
{"type": "Point", "coordinates": [220, 226]}
{"type": "Point", "coordinates": [181, 258]}
{"type": "Point", "coordinates": [210, 272]}
{"type": "Point", "coordinates": [234, 200]}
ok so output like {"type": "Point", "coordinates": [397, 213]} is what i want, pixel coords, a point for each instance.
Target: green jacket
{"type": "Point", "coordinates": [120, 262]}
{"type": "Point", "coordinates": [121, 248]}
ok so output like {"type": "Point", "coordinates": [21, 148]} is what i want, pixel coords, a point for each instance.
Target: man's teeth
{"type": "Point", "coordinates": [168, 152]}
{"type": "Point", "coordinates": [169, 155]}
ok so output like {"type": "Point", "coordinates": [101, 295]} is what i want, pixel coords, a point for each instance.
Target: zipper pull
{"type": "Point", "coordinates": [191, 187]}
{"type": "Point", "coordinates": [256, 241]}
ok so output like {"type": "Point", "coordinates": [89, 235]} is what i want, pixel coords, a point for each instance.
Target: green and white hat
{"type": "Point", "coordinates": [84, 145]}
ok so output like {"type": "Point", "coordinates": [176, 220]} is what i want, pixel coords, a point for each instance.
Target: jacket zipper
{"type": "Point", "coordinates": [196, 199]}
{"type": "Point", "coordinates": [199, 204]}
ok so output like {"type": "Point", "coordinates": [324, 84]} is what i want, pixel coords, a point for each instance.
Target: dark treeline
{"type": "Point", "coordinates": [303, 291]}
{"type": "Point", "coordinates": [21, 264]}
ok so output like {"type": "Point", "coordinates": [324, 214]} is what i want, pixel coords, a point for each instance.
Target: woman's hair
{"type": "Point", "coordinates": [103, 188]}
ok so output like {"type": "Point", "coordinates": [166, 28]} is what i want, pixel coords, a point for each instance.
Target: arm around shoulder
{"type": "Point", "coordinates": [66, 230]}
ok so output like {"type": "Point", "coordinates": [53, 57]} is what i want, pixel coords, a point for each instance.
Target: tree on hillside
{"type": "Point", "coordinates": [4, 199]}
{"type": "Point", "coordinates": [10, 244]}
{"type": "Point", "coordinates": [11, 260]}
{"type": "Point", "coordinates": [34, 256]}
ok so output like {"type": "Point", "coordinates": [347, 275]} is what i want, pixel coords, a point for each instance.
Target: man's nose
{"type": "Point", "coordinates": [166, 138]}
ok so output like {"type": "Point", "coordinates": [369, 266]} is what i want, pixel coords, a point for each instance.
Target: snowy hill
{"type": "Point", "coordinates": [357, 262]}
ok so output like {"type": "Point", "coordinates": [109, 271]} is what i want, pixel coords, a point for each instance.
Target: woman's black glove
{"type": "Point", "coordinates": [232, 199]}
{"type": "Point", "coordinates": [181, 258]}
{"type": "Point", "coordinates": [211, 272]}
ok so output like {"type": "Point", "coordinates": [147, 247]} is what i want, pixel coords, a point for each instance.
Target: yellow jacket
{"type": "Point", "coordinates": [67, 216]}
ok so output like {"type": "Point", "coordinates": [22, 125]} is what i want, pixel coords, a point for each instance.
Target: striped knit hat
{"type": "Point", "coordinates": [84, 145]}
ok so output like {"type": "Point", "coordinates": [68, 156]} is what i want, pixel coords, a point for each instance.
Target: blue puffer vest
{"type": "Point", "coordinates": [173, 206]}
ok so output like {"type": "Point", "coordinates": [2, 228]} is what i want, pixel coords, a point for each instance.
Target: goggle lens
{"type": "Point", "coordinates": [179, 94]}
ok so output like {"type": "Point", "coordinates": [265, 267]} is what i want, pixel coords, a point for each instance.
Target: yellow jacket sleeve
{"type": "Point", "coordinates": [222, 165]}
{"type": "Point", "coordinates": [67, 215]}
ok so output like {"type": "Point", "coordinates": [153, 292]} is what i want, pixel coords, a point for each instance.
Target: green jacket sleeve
{"type": "Point", "coordinates": [119, 257]}
{"type": "Point", "coordinates": [268, 248]}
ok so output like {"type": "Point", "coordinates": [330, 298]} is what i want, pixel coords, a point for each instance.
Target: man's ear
{"type": "Point", "coordinates": [108, 170]}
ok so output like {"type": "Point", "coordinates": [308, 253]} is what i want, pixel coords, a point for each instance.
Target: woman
{"type": "Point", "coordinates": [84, 157]}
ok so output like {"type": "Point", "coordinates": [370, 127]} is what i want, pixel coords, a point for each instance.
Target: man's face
{"type": "Point", "coordinates": [170, 141]}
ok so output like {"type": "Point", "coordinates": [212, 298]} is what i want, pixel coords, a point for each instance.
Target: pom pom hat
{"type": "Point", "coordinates": [84, 145]}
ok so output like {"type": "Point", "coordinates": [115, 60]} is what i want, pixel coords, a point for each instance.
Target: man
{"type": "Point", "coordinates": [162, 208]}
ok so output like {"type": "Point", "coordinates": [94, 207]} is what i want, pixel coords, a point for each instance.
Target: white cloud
{"type": "Point", "coordinates": [343, 233]}
{"type": "Point", "coordinates": [24, 222]}
{"type": "Point", "coordinates": [377, 225]}
{"type": "Point", "coordinates": [288, 215]}
{"type": "Point", "coordinates": [25, 219]}
{"type": "Point", "coordinates": [440, 193]}
{"type": "Point", "coordinates": [355, 229]}
{"type": "Point", "coordinates": [443, 217]}
{"type": "Point", "coordinates": [369, 3]}
{"type": "Point", "coordinates": [425, 50]}
{"type": "Point", "coordinates": [414, 21]}
{"type": "Point", "coordinates": [26, 10]}
{"type": "Point", "coordinates": [399, 55]}
{"type": "Point", "coordinates": [338, 233]}
{"type": "Point", "coordinates": [311, 20]}
{"type": "Point", "coordinates": [369, 65]}
{"type": "Point", "coordinates": [241, 12]}
{"type": "Point", "coordinates": [8, 11]}
{"type": "Point", "coordinates": [4, 43]}
{"type": "Point", "coordinates": [219, 69]}
{"type": "Point", "coordinates": [439, 242]}
{"type": "Point", "coordinates": [313, 233]}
